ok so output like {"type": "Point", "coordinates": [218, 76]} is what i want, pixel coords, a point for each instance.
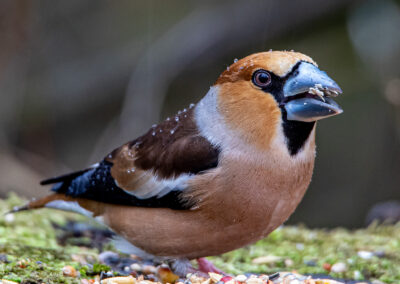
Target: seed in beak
{"type": "Point", "coordinates": [317, 92]}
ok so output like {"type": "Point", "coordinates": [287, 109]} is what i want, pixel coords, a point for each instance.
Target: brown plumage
{"type": "Point", "coordinates": [169, 149]}
{"type": "Point", "coordinates": [218, 175]}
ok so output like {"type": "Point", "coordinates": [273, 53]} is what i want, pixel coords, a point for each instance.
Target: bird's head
{"type": "Point", "coordinates": [268, 92]}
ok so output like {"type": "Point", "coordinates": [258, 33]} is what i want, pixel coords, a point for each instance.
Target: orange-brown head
{"type": "Point", "coordinates": [277, 92]}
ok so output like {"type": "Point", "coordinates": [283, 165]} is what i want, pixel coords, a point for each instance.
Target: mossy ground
{"type": "Point", "coordinates": [30, 237]}
{"type": "Point", "coordinates": [308, 251]}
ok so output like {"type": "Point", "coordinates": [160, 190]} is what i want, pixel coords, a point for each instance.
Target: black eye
{"type": "Point", "coordinates": [261, 78]}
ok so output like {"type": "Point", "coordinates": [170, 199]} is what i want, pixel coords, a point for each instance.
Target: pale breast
{"type": "Point", "coordinates": [254, 199]}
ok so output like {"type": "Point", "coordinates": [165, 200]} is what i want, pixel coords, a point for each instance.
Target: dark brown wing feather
{"type": "Point", "coordinates": [144, 172]}
{"type": "Point", "coordinates": [167, 150]}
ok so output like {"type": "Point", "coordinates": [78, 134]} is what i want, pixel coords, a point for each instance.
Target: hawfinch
{"type": "Point", "coordinates": [218, 175]}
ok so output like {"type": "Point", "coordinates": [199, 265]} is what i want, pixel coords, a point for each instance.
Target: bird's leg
{"type": "Point", "coordinates": [207, 266]}
{"type": "Point", "coordinates": [182, 267]}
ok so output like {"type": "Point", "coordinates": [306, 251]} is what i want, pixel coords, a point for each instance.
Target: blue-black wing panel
{"type": "Point", "coordinates": [98, 184]}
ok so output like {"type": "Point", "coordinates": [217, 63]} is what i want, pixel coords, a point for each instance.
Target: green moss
{"type": "Point", "coordinates": [31, 237]}
{"type": "Point", "coordinates": [309, 250]}
{"type": "Point", "coordinates": [96, 269]}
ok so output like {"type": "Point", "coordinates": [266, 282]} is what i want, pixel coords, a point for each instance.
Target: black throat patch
{"type": "Point", "coordinates": [296, 133]}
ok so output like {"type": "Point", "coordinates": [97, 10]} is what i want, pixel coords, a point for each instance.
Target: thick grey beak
{"type": "Point", "coordinates": [308, 94]}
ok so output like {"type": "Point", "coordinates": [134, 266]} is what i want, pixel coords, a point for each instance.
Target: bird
{"type": "Point", "coordinates": [219, 175]}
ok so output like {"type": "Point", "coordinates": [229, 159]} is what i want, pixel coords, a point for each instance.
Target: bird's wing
{"type": "Point", "coordinates": [151, 171]}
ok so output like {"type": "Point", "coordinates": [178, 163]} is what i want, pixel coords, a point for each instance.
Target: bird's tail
{"type": "Point", "coordinates": [18, 209]}
{"type": "Point", "coordinates": [37, 203]}
{"type": "Point", "coordinates": [60, 201]}
{"type": "Point", "coordinates": [61, 185]}
{"type": "Point", "coordinates": [60, 181]}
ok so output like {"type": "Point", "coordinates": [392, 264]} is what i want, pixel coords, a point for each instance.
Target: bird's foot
{"type": "Point", "coordinates": [182, 267]}
{"type": "Point", "coordinates": [206, 266]}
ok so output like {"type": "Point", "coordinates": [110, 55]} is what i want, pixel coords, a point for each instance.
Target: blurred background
{"type": "Point", "coordinates": [79, 78]}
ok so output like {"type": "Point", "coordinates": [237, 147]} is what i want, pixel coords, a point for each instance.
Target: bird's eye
{"type": "Point", "coordinates": [261, 78]}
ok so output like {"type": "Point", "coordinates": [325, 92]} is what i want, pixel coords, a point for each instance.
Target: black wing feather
{"type": "Point", "coordinates": [63, 178]}
{"type": "Point", "coordinates": [98, 184]}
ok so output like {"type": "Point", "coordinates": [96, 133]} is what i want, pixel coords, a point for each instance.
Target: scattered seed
{"type": "Point", "coordinates": [215, 277]}
{"type": "Point", "coordinates": [327, 266]}
{"type": "Point", "coordinates": [136, 267]}
{"type": "Point", "coordinates": [365, 254]}
{"type": "Point", "coordinates": [289, 262]}
{"type": "Point", "coordinates": [5, 281]}
{"type": "Point", "coordinates": [339, 267]}
{"type": "Point", "coordinates": [119, 280]}
{"type": "Point", "coordinates": [69, 271]}
{"type": "Point", "coordinates": [266, 259]}
{"type": "Point", "coordinates": [241, 278]}
{"type": "Point", "coordinates": [255, 280]}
